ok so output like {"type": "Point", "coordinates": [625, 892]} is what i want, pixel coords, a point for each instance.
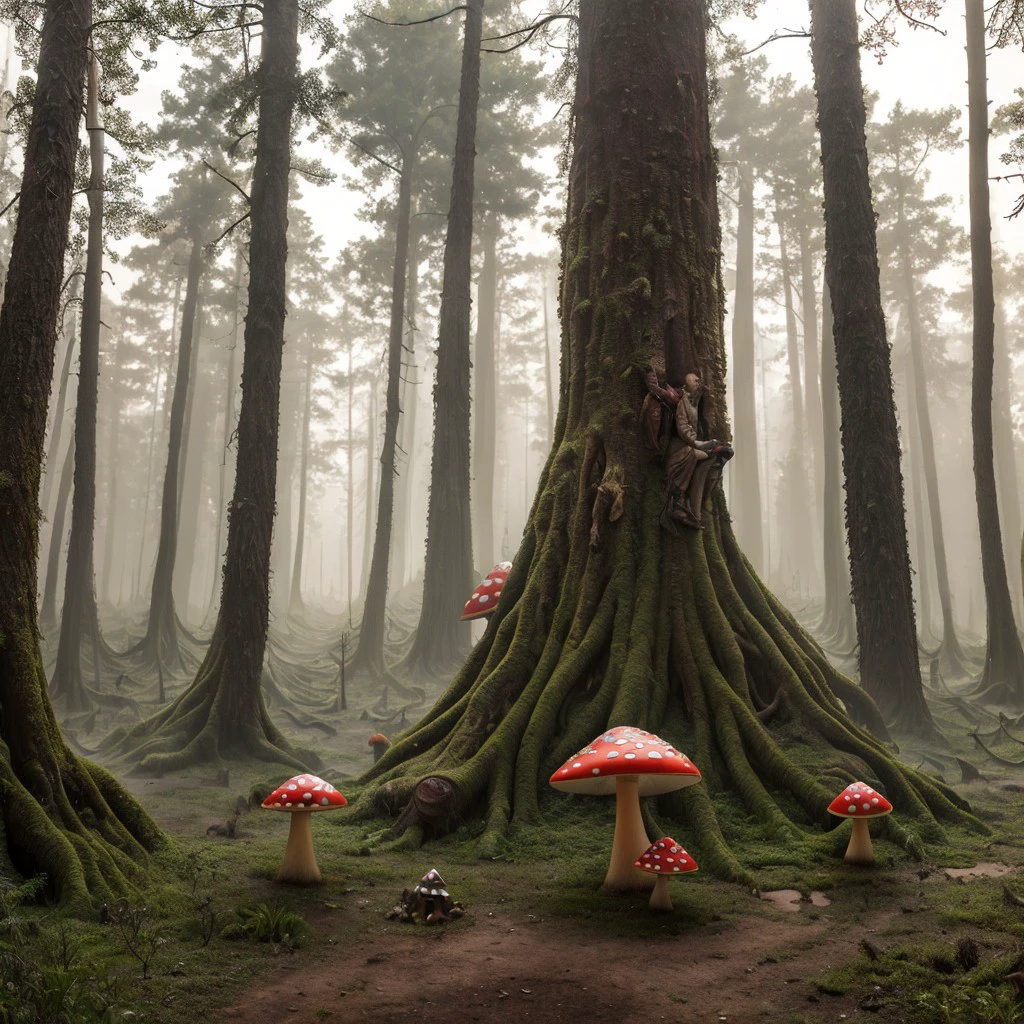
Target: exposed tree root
{"type": "Point", "coordinates": [585, 639]}
{"type": "Point", "coordinates": [207, 723]}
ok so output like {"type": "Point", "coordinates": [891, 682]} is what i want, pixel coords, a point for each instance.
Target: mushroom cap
{"type": "Point", "coordinates": [626, 750]}
{"type": "Point", "coordinates": [304, 793]}
{"type": "Point", "coordinates": [859, 800]}
{"type": "Point", "coordinates": [485, 598]}
{"type": "Point", "coordinates": [666, 857]}
{"type": "Point", "coordinates": [431, 884]}
{"type": "Point", "coordinates": [378, 737]}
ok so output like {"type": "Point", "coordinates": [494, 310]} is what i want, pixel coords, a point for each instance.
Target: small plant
{"type": "Point", "coordinates": [263, 923]}
{"type": "Point", "coordinates": [14, 927]}
{"type": "Point", "coordinates": [208, 920]}
{"type": "Point", "coordinates": [138, 934]}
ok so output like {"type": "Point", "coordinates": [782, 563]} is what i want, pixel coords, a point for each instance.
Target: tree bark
{"type": "Point", "coordinates": [79, 611]}
{"type": "Point", "coordinates": [295, 599]}
{"type": "Point", "coordinates": [1002, 679]}
{"type": "Point", "coordinates": [875, 516]}
{"type": "Point", "coordinates": [48, 613]}
{"type": "Point", "coordinates": [370, 652]}
{"type": "Point", "coordinates": [60, 815]}
{"type": "Point", "coordinates": [1007, 481]}
{"type": "Point", "coordinates": [747, 504]}
{"type": "Point", "coordinates": [111, 518]}
{"type": "Point", "coordinates": [606, 618]}
{"type": "Point", "coordinates": [57, 429]}
{"type": "Point", "coordinates": [812, 373]}
{"type": "Point", "coordinates": [223, 713]}
{"type": "Point", "coordinates": [441, 638]}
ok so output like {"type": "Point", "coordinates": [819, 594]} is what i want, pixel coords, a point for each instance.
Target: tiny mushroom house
{"type": "Point", "coordinates": [485, 598]}
{"type": "Point", "coordinates": [859, 802]}
{"type": "Point", "coordinates": [630, 763]}
{"type": "Point", "coordinates": [301, 796]}
{"type": "Point", "coordinates": [664, 860]}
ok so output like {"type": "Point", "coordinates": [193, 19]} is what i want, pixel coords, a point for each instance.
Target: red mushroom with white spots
{"type": "Point", "coordinates": [630, 763]}
{"type": "Point", "coordinates": [485, 598]}
{"type": "Point", "coordinates": [302, 796]}
{"type": "Point", "coordinates": [664, 860]}
{"type": "Point", "coordinates": [860, 802]}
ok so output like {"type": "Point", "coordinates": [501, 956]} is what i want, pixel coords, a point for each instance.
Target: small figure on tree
{"type": "Point", "coordinates": [683, 440]}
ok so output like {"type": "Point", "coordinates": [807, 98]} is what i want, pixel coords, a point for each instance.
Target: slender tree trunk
{"type": "Point", "coordinates": [747, 506]}
{"type": "Point", "coordinates": [950, 655]}
{"type": "Point", "coordinates": [79, 609]}
{"type": "Point", "coordinates": [549, 370]}
{"type": "Point", "coordinates": [370, 652]}
{"type": "Point", "coordinates": [812, 374]}
{"type": "Point", "coordinates": [350, 516]}
{"type": "Point", "coordinates": [222, 713]}
{"type": "Point", "coordinates": [57, 429]}
{"type": "Point", "coordinates": [110, 520]}
{"type": "Point", "coordinates": [60, 816]}
{"type": "Point", "coordinates": [875, 517]}
{"type": "Point", "coordinates": [485, 426]}
{"type": "Point", "coordinates": [48, 614]}
{"type": "Point", "coordinates": [448, 573]}
{"type": "Point", "coordinates": [295, 599]}
{"type": "Point", "coordinates": [160, 645]}
{"type": "Point", "coordinates": [606, 617]}
{"type": "Point", "coordinates": [1003, 676]}
{"type": "Point", "coordinates": [837, 622]}
{"type": "Point", "coordinates": [922, 569]}
{"type": "Point", "coordinates": [371, 487]}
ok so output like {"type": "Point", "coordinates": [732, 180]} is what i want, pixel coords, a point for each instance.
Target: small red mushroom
{"type": "Point", "coordinates": [860, 802]}
{"type": "Point", "coordinates": [380, 743]}
{"type": "Point", "coordinates": [301, 796]}
{"type": "Point", "coordinates": [485, 598]}
{"type": "Point", "coordinates": [664, 859]}
{"type": "Point", "coordinates": [630, 763]}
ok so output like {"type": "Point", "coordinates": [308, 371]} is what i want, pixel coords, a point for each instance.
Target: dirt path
{"type": "Point", "coordinates": [494, 967]}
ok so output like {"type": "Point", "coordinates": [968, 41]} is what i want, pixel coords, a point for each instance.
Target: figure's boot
{"type": "Point", "coordinates": [697, 487]}
{"type": "Point", "coordinates": [678, 513]}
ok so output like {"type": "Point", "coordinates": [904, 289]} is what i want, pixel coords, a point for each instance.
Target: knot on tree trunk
{"type": "Point", "coordinates": [434, 800]}
{"type": "Point", "coordinates": [609, 501]}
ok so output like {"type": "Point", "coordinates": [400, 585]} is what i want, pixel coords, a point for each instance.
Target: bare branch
{"type": "Point", "coordinates": [784, 33]}
{"type": "Point", "coordinates": [17, 196]}
{"type": "Point", "coordinates": [530, 31]}
{"type": "Point", "coordinates": [227, 231]}
{"type": "Point", "coordinates": [234, 184]}
{"type": "Point", "coordinates": [406, 24]}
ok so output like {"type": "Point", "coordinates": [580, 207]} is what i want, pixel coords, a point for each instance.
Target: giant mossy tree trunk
{"type": "Point", "coordinates": [79, 611]}
{"type": "Point", "coordinates": [59, 815]}
{"type": "Point", "coordinates": [1003, 676]}
{"type": "Point", "coordinates": [607, 619]}
{"type": "Point", "coordinates": [223, 713]}
{"type": "Point", "coordinates": [160, 647]}
{"type": "Point", "coordinates": [448, 571]}
{"type": "Point", "coordinates": [875, 514]}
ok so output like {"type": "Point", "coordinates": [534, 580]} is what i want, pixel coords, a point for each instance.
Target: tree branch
{"type": "Point", "coordinates": [406, 24]}
{"type": "Point", "coordinates": [234, 184]}
{"type": "Point", "coordinates": [227, 231]}
{"type": "Point", "coordinates": [781, 34]}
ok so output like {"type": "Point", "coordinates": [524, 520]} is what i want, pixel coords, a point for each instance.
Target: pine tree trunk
{"type": "Point", "coordinates": [747, 505]}
{"type": "Point", "coordinates": [48, 614]}
{"type": "Point", "coordinates": [606, 618]}
{"type": "Point", "coordinates": [549, 371]}
{"type": "Point", "coordinates": [160, 646]}
{"type": "Point", "coordinates": [295, 599]}
{"type": "Point", "coordinates": [370, 652]}
{"type": "Point", "coordinates": [79, 611]}
{"type": "Point", "coordinates": [60, 815]}
{"type": "Point", "coordinates": [223, 713]}
{"type": "Point", "coordinates": [1007, 483]}
{"type": "Point", "coordinates": [1003, 676]}
{"type": "Point", "coordinates": [838, 621]}
{"type": "Point", "coordinates": [57, 429]}
{"type": "Point", "coordinates": [441, 639]}
{"type": "Point", "coordinates": [485, 426]}
{"type": "Point", "coordinates": [812, 376]}
{"type": "Point", "coordinates": [919, 532]}
{"type": "Point", "coordinates": [111, 517]}
{"type": "Point", "coordinates": [950, 655]}
{"type": "Point", "coordinates": [875, 516]}
{"type": "Point", "coordinates": [371, 486]}
{"type": "Point", "coordinates": [350, 515]}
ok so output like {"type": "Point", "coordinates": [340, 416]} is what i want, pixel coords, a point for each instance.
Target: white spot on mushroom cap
{"type": "Point", "coordinates": [654, 753]}
{"type": "Point", "coordinates": [612, 753]}
{"type": "Point", "coordinates": [595, 771]}
{"type": "Point", "coordinates": [576, 764]}
{"type": "Point", "coordinates": [630, 756]}
{"type": "Point", "coordinates": [307, 796]}
{"type": "Point", "coordinates": [292, 786]}
{"type": "Point", "coordinates": [324, 801]}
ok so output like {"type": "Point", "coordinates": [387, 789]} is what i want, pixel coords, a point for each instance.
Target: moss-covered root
{"type": "Point", "coordinates": [74, 823]}
{"type": "Point", "coordinates": [214, 720]}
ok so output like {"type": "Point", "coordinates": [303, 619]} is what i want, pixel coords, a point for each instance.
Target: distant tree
{"type": "Point", "coordinates": [875, 517]}
{"type": "Point", "coordinates": [62, 816]}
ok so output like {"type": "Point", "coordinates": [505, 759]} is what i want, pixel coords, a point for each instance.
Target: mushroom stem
{"type": "Point", "coordinates": [660, 899]}
{"type": "Point", "coordinates": [630, 839]}
{"type": "Point", "coordinates": [299, 864]}
{"type": "Point", "coordinates": [859, 851]}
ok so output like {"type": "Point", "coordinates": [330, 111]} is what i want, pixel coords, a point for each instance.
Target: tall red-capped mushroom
{"type": "Point", "coordinates": [860, 802]}
{"type": "Point", "coordinates": [630, 763]}
{"type": "Point", "coordinates": [302, 796]}
{"type": "Point", "coordinates": [485, 598]}
{"type": "Point", "coordinates": [664, 859]}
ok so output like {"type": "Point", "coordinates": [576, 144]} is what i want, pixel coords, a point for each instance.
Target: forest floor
{"type": "Point", "coordinates": [909, 942]}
